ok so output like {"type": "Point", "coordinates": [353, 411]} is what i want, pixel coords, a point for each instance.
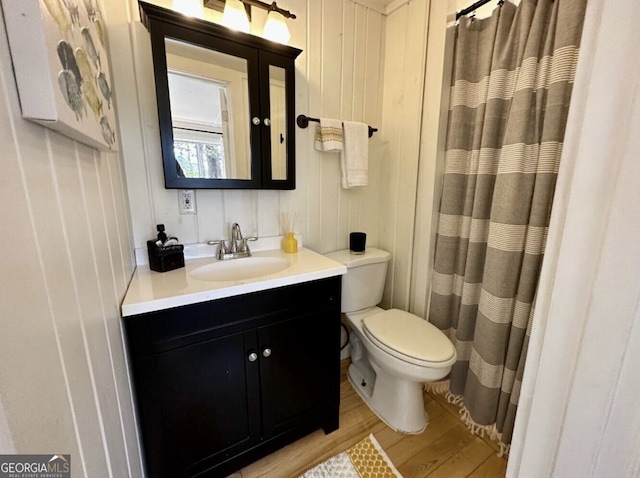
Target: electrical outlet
{"type": "Point", "coordinates": [187, 201]}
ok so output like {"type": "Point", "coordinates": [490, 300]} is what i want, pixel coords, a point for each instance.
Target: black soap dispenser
{"type": "Point", "coordinates": [162, 236]}
{"type": "Point", "coordinates": [165, 255]}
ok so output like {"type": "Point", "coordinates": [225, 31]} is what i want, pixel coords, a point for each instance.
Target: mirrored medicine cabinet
{"type": "Point", "coordinates": [225, 104]}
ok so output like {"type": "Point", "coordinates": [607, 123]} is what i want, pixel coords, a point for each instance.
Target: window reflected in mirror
{"type": "Point", "coordinates": [277, 96]}
{"type": "Point", "coordinates": [209, 97]}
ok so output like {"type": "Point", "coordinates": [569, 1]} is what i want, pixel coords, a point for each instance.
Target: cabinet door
{"type": "Point", "coordinates": [299, 369]}
{"type": "Point", "coordinates": [277, 104]}
{"type": "Point", "coordinates": [207, 90]}
{"type": "Point", "coordinates": [205, 397]}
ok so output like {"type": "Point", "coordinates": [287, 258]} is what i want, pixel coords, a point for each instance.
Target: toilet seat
{"type": "Point", "coordinates": [410, 338]}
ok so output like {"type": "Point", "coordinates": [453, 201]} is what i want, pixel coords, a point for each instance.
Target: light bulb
{"type": "Point", "coordinates": [235, 16]}
{"type": "Point", "coordinates": [193, 8]}
{"type": "Point", "coordinates": [275, 28]}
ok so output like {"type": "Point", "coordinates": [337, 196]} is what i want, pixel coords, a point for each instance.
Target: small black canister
{"type": "Point", "coordinates": [357, 242]}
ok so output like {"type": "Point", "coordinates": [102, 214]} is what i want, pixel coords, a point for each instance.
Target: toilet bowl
{"type": "Point", "coordinates": [393, 352]}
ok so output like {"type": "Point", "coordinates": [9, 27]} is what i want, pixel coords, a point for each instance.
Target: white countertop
{"type": "Point", "coordinates": [152, 291]}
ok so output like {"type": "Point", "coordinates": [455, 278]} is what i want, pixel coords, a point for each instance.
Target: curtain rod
{"type": "Point", "coordinates": [474, 7]}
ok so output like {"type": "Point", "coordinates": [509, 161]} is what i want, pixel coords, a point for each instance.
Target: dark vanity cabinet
{"type": "Point", "coordinates": [226, 104]}
{"type": "Point", "coordinates": [220, 384]}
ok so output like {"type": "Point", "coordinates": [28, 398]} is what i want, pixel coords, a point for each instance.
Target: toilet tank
{"type": "Point", "coordinates": [363, 284]}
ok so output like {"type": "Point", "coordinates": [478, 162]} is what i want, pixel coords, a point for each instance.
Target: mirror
{"type": "Point", "coordinates": [225, 104]}
{"type": "Point", "coordinates": [209, 97]}
{"type": "Point", "coordinates": [277, 87]}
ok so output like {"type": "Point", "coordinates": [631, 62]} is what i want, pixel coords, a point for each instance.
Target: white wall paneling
{"type": "Point", "coordinates": [405, 58]}
{"type": "Point", "coordinates": [67, 260]}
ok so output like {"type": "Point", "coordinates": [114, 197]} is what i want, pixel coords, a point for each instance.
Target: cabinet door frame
{"type": "Point", "coordinates": [159, 32]}
{"type": "Point", "coordinates": [267, 59]}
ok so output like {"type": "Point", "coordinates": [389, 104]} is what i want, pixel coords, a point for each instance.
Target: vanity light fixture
{"type": "Point", "coordinates": [275, 29]}
{"type": "Point", "coordinates": [192, 8]}
{"type": "Point", "coordinates": [235, 16]}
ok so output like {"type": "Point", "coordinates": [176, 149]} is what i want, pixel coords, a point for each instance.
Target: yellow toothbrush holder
{"type": "Point", "coordinates": [290, 243]}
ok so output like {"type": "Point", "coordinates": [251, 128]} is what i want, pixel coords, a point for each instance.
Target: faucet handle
{"type": "Point", "coordinates": [223, 247]}
{"type": "Point", "coordinates": [244, 247]}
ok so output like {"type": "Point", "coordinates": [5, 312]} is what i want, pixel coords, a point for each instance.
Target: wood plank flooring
{"type": "Point", "coordinates": [445, 450]}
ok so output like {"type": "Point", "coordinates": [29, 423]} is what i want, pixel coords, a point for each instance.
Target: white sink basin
{"type": "Point", "coordinates": [240, 269]}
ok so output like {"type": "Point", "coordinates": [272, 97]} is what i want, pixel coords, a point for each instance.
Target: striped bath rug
{"type": "Point", "coordinates": [365, 459]}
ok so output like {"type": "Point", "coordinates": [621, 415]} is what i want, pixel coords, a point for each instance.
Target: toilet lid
{"type": "Point", "coordinates": [408, 336]}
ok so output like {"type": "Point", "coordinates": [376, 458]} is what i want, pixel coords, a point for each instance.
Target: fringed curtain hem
{"type": "Point", "coordinates": [491, 431]}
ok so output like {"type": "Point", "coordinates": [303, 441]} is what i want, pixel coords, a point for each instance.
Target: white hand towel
{"type": "Point", "coordinates": [354, 160]}
{"type": "Point", "coordinates": [329, 135]}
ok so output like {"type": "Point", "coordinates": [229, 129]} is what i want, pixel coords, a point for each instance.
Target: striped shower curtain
{"type": "Point", "coordinates": [512, 81]}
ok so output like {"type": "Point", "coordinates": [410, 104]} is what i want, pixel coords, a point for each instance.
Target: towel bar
{"type": "Point", "coordinates": [303, 121]}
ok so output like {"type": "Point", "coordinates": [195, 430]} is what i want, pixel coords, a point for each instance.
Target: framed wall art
{"type": "Point", "coordinates": [60, 57]}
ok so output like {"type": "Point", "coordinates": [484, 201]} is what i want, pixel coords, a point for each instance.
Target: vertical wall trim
{"type": "Point", "coordinates": [134, 16]}
{"type": "Point", "coordinates": [320, 93]}
{"type": "Point", "coordinates": [307, 59]}
{"type": "Point", "coordinates": [342, 47]}
{"type": "Point", "coordinates": [432, 144]}
{"type": "Point", "coordinates": [414, 232]}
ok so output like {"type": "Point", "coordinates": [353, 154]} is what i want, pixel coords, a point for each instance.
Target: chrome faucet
{"type": "Point", "coordinates": [236, 235]}
{"type": "Point", "coordinates": [238, 245]}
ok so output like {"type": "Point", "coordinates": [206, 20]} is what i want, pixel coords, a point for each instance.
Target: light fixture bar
{"type": "Point", "coordinates": [271, 7]}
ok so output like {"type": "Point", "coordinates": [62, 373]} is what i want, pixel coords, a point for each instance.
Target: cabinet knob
{"type": "Point", "coordinates": [266, 352]}
{"type": "Point", "coordinates": [253, 357]}
{"type": "Point", "coordinates": [267, 122]}
{"type": "Point", "coordinates": [255, 120]}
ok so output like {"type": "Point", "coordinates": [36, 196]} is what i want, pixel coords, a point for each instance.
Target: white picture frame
{"type": "Point", "coordinates": [60, 58]}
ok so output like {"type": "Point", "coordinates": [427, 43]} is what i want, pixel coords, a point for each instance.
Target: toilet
{"type": "Point", "coordinates": [393, 352]}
